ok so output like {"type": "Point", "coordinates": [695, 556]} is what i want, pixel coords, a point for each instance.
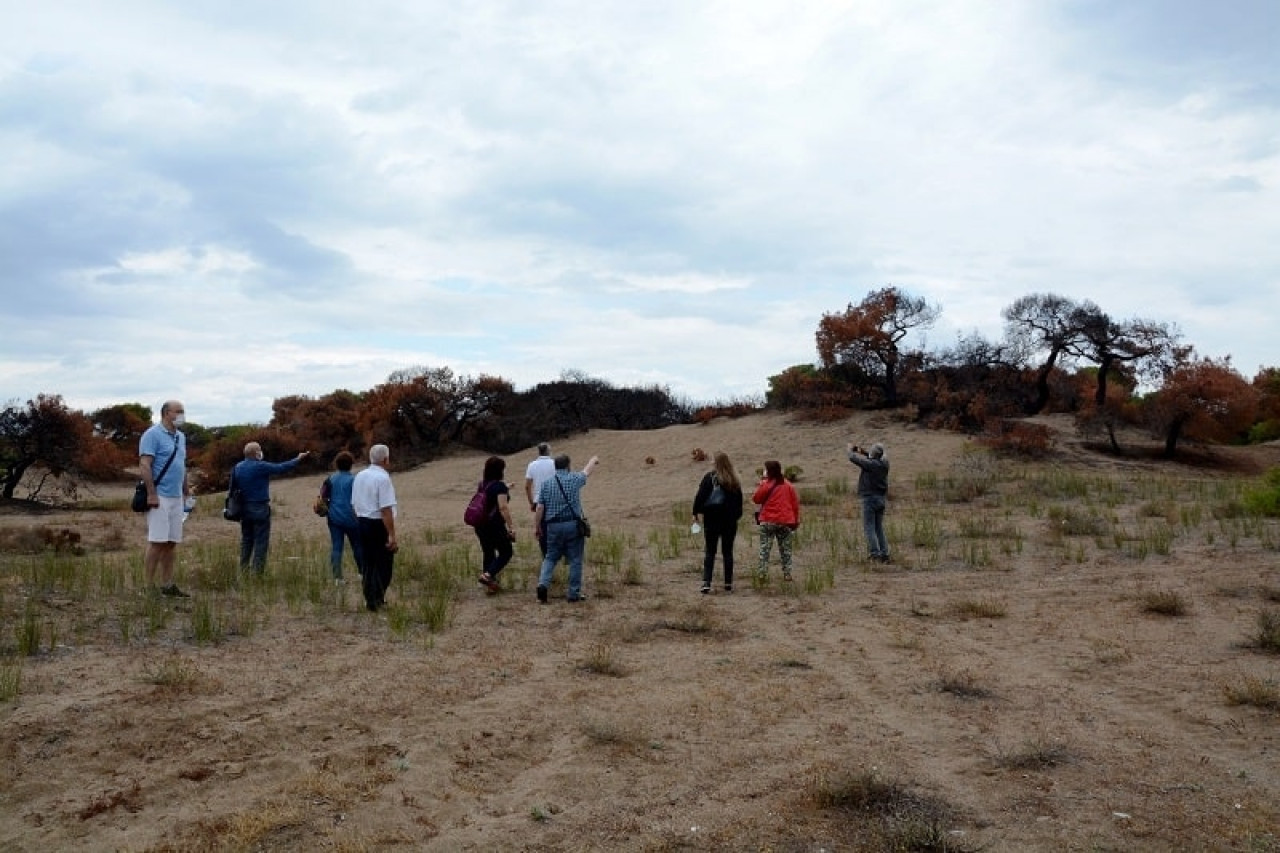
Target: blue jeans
{"type": "Point", "coordinates": [337, 533]}
{"type": "Point", "coordinates": [873, 525]}
{"type": "Point", "coordinates": [255, 535]}
{"type": "Point", "coordinates": [563, 541]}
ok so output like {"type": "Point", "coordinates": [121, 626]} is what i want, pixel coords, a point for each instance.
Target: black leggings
{"type": "Point", "coordinates": [495, 549]}
{"type": "Point", "coordinates": [718, 534]}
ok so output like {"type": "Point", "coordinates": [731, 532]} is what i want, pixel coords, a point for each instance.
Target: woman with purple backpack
{"type": "Point", "coordinates": [495, 529]}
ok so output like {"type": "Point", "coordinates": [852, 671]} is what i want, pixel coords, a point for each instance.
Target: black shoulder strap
{"type": "Point", "coordinates": [576, 517]}
{"type": "Point", "coordinates": [165, 470]}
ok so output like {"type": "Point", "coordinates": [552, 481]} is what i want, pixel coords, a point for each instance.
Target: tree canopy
{"type": "Point", "coordinates": [867, 337]}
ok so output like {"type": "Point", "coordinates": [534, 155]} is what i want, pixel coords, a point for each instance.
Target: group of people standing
{"type": "Point", "coordinates": [554, 495]}
{"type": "Point", "coordinates": [718, 503]}
{"type": "Point", "coordinates": [361, 510]}
{"type": "Point", "coordinates": [717, 507]}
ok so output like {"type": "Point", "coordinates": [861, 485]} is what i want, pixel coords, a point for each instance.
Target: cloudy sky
{"type": "Point", "coordinates": [230, 202]}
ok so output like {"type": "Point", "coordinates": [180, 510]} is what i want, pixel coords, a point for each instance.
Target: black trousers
{"type": "Point", "coordinates": [718, 533]}
{"type": "Point", "coordinates": [495, 548]}
{"type": "Point", "coordinates": [378, 562]}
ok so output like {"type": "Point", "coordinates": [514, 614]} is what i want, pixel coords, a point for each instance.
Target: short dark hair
{"type": "Point", "coordinates": [544, 448]}
{"type": "Point", "coordinates": [343, 461]}
{"type": "Point", "coordinates": [494, 467]}
{"type": "Point", "coordinates": [562, 462]}
{"type": "Point", "coordinates": [773, 470]}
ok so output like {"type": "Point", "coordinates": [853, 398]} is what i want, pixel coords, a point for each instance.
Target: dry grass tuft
{"type": "Point", "coordinates": [1038, 753]}
{"type": "Point", "coordinates": [1267, 639]}
{"type": "Point", "coordinates": [174, 674]}
{"type": "Point", "coordinates": [1164, 602]}
{"type": "Point", "coordinates": [981, 608]}
{"type": "Point", "coordinates": [1251, 690]}
{"type": "Point", "coordinates": [963, 683]}
{"type": "Point", "coordinates": [600, 661]}
{"type": "Point", "coordinates": [900, 818]}
{"type": "Point", "coordinates": [616, 733]}
{"type": "Point", "coordinates": [695, 620]}
{"type": "Point", "coordinates": [1110, 651]}
{"type": "Point", "coordinates": [251, 830]}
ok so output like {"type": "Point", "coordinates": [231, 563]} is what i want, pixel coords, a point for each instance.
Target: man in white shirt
{"type": "Point", "coordinates": [539, 471]}
{"type": "Point", "coordinates": [373, 498]}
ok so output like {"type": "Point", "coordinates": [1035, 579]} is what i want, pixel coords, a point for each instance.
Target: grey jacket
{"type": "Point", "coordinates": [874, 479]}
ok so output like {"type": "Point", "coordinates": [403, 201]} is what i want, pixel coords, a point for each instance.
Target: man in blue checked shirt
{"type": "Point", "coordinates": [556, 521]}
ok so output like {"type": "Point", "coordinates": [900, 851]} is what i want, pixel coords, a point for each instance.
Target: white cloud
{"type": "Point", "coordinates": [302, 197]}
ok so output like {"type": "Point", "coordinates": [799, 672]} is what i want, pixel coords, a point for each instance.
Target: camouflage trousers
{"type": "Point", "coordinates": [768, 533]}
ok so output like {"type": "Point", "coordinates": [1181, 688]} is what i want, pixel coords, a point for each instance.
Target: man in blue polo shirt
{"type": "Point", "coordinates": [162, 458]}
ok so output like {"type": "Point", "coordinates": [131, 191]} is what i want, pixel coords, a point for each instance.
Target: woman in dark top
{"type": "Point", "coordinates": [496, 532]}
{"type": "Point", "coordinates": [718, 506]}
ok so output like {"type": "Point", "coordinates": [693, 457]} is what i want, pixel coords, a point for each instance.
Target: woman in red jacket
{"type": "Point", "coordinates": [778, 516]}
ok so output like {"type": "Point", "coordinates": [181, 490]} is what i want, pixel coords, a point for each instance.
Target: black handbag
{"type": "Point", "coordinates": [584, 526]}
{"type": "Point", "coordinates": [233, 506]}
{"type": "Point", "coordinates": [715, 500]}
{"type": "Point", "coordinates": [139, 502]}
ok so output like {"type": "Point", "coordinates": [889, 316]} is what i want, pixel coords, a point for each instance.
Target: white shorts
{"type": "Point", "coordinates": [164, 523]}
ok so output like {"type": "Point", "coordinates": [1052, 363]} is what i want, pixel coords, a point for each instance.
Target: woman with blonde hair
{"type": "Point", "coordinates": [718, 506]}
{"type": "Point", "coordinates": [778, 517]}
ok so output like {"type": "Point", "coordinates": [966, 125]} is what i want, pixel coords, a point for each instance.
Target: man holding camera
{"type": "Point", "coordinates": [873, 488]}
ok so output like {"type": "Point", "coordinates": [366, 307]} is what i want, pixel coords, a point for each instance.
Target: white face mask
{"type": "Point", "coordinates": [179, 420]}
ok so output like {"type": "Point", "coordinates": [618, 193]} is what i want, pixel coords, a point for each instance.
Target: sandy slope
{"type": "Point", "coordinates": [334, 732]}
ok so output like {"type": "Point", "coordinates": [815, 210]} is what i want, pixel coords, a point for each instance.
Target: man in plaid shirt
{"type": "Point", "coordinates": [556, 522]}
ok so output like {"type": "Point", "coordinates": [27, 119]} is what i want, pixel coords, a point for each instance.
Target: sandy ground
{"type": "Point", "coordinates": [654, 718]}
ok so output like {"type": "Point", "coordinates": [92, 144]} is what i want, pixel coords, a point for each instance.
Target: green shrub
{"type": "Point", "coordinates": [10, 678]}
{"type": "Point", "coordinates": [1264, 499]}
{"type": "Point", "coordinates": [1268, 430]}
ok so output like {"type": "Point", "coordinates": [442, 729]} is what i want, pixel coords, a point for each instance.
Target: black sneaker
{"type": "Point", "coordinates": [706, 589]}
{"type": "Point", "coordinates": [574, 599]}
{"type": "Point", "coordinates": [542, 595]}
{"type": "Point", "coordinates": [172, 591]}
{"type": "Point", "coordinates": [728, 587]}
